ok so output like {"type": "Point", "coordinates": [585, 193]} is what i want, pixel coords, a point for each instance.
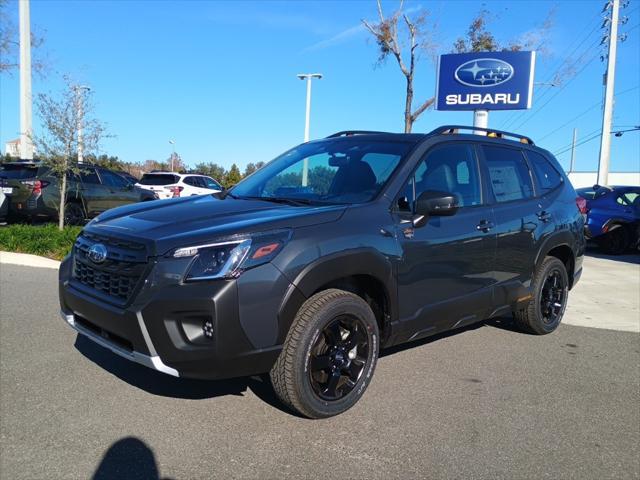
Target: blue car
{"type": "Point", "coordinates": [613, 217]}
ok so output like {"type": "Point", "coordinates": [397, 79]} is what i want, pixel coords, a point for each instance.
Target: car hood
{"type": "Point", "coordinates": [167, 224]}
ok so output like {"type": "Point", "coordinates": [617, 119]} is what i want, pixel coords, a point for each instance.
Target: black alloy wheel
{"type": "Point", "coordinates": [329, 355]}
{"type": "Point", "coordinates": [338, 357]}
{"type": "Point", "coordinates": [553, 297]}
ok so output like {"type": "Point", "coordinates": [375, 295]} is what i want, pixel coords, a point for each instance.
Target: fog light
{"type": "Point", "coordinates": [207, 328]}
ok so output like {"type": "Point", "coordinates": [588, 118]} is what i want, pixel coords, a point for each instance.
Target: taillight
{"type": "Point", "coordinates": [175, 190]}
{"type": "Point", "coordinates": [36, 185]}
{"type": "Point", "coordinates": [582, 204]}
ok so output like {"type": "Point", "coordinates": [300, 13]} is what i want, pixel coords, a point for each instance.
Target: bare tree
{"type": "Point", "coordinates": [417, 37]}
{"type": "Point", "coordinates": [10, 44]}
{"type": "Point", "coordinates": [58, 143]}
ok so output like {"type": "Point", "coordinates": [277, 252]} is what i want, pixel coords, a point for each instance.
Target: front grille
{"type": "Point", "coordinates": [119, 286]}
{"type": "Point", "coordinates": [119, 275]}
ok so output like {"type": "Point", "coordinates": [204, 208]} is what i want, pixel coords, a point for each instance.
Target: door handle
{"type": "Point", "coordinates": [485, 226]}
{"type": "Point", "coordinates": [544, 216]}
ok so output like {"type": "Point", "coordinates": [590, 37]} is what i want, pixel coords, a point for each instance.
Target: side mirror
{"type": "Point", "coordinates": [436, 203]}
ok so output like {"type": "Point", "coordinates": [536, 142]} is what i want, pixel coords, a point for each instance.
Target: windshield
{"type": "Point", "coordinates": [332, 171]}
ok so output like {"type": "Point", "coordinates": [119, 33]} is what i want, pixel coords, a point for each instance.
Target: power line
{"type": "Point", "coordinates": [597, 135]}
{"type": "Point", "coordinates": [597, 130]}
{"type": "Point", "coordinates": [556, 93]}
{"type": "Point", "coordinates": [558, 66]}
{"type": "Point", "coordinates": [597, 104]}
{"type": "Point", "coordinates": [520, 115]}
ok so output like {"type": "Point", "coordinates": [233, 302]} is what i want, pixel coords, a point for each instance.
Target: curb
{"type": "Point", "coordinates": [27, 260]}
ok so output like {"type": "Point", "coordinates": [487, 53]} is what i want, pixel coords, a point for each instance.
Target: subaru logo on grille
{"type": "Point", "coordinates": [97, 253]}
{"type": "Point", "coordinates": [484, 72]}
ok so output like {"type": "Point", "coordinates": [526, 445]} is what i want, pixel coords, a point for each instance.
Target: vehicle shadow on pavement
{"type": "Point", "coordinates": [131, 458]}
{"type": "Point", "coordinates": [160, 384]}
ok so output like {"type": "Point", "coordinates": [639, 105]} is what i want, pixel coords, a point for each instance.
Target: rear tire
{"type": "Point", "coordinates": [615, 242]}
{"type": "Point", "coordinates": [545, 309]}
{"type": "Point", "coordinates": [329, 355]}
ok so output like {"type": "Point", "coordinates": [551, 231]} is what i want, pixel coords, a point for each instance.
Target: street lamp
{"type": "Point", "coordinates": [308, 77]}
{"type": "Point", "coordinates": [173, 154]}
{"type": "Point", "coordinates": [80, 89]}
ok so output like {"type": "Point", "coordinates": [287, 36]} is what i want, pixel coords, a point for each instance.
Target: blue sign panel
{"type": "Point", "coordinates": [485, 81]}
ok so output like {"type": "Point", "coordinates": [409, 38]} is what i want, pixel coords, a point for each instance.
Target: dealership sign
{"type": "Point", "coordinates": [485, 81]}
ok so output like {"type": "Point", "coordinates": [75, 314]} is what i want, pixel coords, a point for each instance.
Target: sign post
{"type": "Point", "coordinates": [485, 81]}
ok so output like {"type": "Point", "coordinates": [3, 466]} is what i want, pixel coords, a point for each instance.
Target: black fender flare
{"type": "Point", "coordinates": [557, 239]}
{"type": "Point", "coordinates": [331, 268]}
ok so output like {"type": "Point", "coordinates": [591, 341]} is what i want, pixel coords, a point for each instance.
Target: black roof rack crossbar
{"type": "Point", "coordinates": [348, 133]}
{"type": "Point", "coordinates": [453, 129]}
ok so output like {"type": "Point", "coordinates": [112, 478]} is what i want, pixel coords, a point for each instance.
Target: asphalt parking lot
{"type": "Point", "coordinates": [484, 402]}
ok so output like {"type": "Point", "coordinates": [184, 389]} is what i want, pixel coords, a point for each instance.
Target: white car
{"type": "Point", "coordinates": [173, 185]}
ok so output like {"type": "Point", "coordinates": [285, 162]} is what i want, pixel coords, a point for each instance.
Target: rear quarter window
{"type": "Point", "coordinates": [19, 172]}
{"type": "Point", "coordinates": [547, 177]}
{"type": "Point", "coordinates": [158, 179]}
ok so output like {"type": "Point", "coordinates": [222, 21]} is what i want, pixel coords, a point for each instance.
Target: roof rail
{"type": "Point", "coordinates": [454, 129]}
{"type": "Point", "coordinates": [349, 133]}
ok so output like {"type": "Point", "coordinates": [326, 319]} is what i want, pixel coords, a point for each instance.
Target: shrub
{"type": "Point", "coordinates": [44, 240]}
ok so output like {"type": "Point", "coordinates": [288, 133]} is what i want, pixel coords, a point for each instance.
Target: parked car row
{"type": "Point", "coordinates": [31, 191]}
{"type": "Point", "coordinates": [613, 216]}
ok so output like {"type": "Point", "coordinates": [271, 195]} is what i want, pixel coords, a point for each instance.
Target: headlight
{"type": "Point", "coordinates": [228, 259]}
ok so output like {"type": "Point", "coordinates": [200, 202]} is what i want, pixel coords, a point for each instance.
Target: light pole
{"type": "Point", "coordinates": [308, 77]}
{"type": "Point", "coordinates": [80, 89]}
{"type": "Point", "coordinates": [26, 144]}
{"type": "Point", "coordinates": [173, 154]}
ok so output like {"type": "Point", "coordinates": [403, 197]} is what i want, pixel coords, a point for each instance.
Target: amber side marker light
{"type": "Point", "coordinates": [265, 250]}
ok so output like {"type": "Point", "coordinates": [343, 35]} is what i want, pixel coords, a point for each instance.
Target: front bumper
{"type": "Point", "coordinates": [162, 327]}
{"type": "Point", "coordinates": [151, 361]}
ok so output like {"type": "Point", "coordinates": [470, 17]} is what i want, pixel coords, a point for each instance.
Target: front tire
{"type": "Point", "coordinates": [329, 355]}
{"type": "Point", "coordinates": [546, 308]}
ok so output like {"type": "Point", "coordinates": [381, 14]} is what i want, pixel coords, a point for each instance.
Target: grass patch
{"type": "Point", "coordinates": [44, 240]}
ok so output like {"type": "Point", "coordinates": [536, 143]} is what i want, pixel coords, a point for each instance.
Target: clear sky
{"type": "Point", "coordinates": [220, 77]}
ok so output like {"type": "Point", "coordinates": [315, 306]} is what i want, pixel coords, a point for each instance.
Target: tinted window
{"type": "Point", "coordinates": [447, 168]}
{"type": "Point", "coordinates": [628, 198]}
{"type": "Point", "coordinates": [586, 193]}
{"type": "Point", "coordinates": [18, 171]}
{"type": "Point", "coordinates": [113, 180]}
{"type": "Point", "coordinates": [508, 173]}
{"type": "Point", "coordinates": [158, 179]}
{"type": "Point", "coordinates": [193, 181]}
{"type": "Point", "coordinates": [89, 175]}
{"type": "Point", "coordinates": [547, 176]}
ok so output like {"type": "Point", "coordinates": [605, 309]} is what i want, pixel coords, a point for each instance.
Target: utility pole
{"type": "Point", "coordinates": [305, 163]}
{"type": "Point", "coordinates": [26, 127]}
{"type": "Point", "coordinates": [573, 149]}
{"type": "Point", "coordinates": [605, 139]}
{"type": "Point", "coordinates": [80, 89]}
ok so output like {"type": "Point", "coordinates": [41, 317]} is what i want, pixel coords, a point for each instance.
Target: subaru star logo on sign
{"type": "Point", "coordinates": [97, 253]}
{"type": "Point", "coordinates": [485, 81]}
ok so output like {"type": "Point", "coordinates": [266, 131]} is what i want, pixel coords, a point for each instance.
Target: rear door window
{"type": "Point", "coordinates": [158, 179]}
{"type": "Point", "coordinates": [193, 181]}
{"type": "Point", "coordinates": [546, 175]}
{"type": "Point", "coordinates": [509, 174]}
